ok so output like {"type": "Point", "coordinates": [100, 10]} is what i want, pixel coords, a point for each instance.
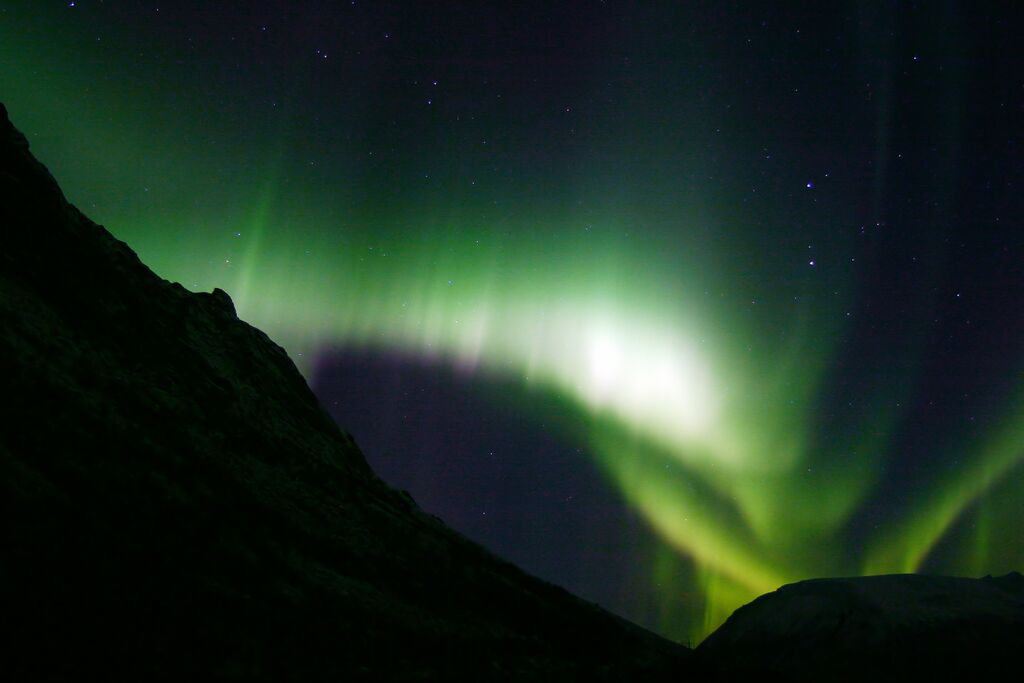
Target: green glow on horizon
{"type": "Point", "coordinates": [718, 460]}
{"type": "Point", "coordinates": [704, 431]}
{"type": "Point", "coordinates": [906, 546]}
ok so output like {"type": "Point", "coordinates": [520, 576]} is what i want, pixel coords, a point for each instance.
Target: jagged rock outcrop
{"type": "Point", "coordinates": [898, 627]}
{"type": "Point", "coordinates": [176, 503]}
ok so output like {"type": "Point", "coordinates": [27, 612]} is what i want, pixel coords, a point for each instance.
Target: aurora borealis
{"type": "Point", "coordinates": [759, 268]}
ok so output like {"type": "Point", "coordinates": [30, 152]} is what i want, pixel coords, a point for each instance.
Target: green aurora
{"type": "Point", "coordinates": [707, 399]}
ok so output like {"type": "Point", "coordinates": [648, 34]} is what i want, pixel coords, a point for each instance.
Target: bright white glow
{"type": "Point", "coordinates": [605, 366]}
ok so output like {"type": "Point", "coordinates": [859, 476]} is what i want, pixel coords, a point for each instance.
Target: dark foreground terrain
{"type": "Point", "coordinates": [902, 627]}
{"type": "Point", "coordinates": [176, 504]}
{"type": "Point", "coordinates": [176, 501]}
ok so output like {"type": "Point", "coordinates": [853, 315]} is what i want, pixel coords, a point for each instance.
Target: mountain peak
{"type": "Point", "coordinates": [900, 625]}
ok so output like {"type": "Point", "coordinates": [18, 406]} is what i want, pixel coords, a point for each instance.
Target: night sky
{"type": "Point", "coordinates": [668, 303]}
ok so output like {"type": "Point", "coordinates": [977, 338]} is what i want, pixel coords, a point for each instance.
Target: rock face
{"type": "Point", "coordinates": [175, 501]}
{"type": "Point", "coordinates": [896, 627]}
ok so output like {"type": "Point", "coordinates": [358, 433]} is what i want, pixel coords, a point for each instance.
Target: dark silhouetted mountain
{"type": "Point", "coordinates": [899, 627]}
{"type": "Point", "coordinates": [176, 503]}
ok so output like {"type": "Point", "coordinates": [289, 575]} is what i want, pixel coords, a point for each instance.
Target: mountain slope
{"type": "Point", "coordinates": [177, 503]}
{"type": "Point", "coordinates": [894, 627]}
